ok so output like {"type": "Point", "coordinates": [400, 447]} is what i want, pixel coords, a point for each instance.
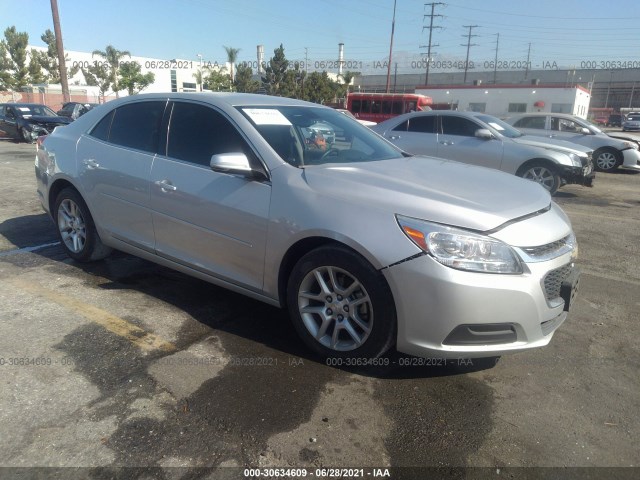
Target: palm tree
{"type": "Point", "coordinates": [199, 77]}
{"type": "Point", "coordinates": [232, 56]}
{"type": "Point", "coordinates": [113, 56]}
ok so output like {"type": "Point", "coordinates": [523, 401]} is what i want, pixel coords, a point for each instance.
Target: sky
{"type": "Point", "coordinates": [560, 33]}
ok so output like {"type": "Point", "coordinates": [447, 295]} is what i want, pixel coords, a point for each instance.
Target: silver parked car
{"type": "Point", "coordinates": [609, 153]}
{"type": "Point", "coordinates": [480, 139]}
{"type": "Point", "coordinates": [365, 246]}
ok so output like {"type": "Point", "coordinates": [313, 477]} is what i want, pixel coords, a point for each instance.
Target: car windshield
{"type": "Point", "coordinates": [27, 111]}
{"type": "Point", "coordinates": [591, 126]}
{"type": "Point", "coordinates": [305, 136]}
{"type": "Point", "coordinates": [635, 118]}
{"type": "Point", "coordinates": [502, 127]}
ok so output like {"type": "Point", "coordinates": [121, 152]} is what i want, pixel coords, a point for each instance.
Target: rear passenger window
{"type": "Point", "coordinates": [531, 122]}
{"type": "Point", "coordinates": [452, 125]}
{"type": "Point", "coordinates": [137, 125]}
{"type": "Point", "coordinates": [101, 130]}
{"type": "Point", "coordinates": [198, 132]}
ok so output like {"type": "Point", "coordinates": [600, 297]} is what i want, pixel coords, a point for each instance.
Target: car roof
{"type": "Point", "coordinates": [24, 105]}
{"type": "Point", "coordinates": [232, 99]}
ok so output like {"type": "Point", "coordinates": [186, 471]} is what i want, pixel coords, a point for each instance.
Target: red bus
{"type": "Point", "coordinates": [377, 107]}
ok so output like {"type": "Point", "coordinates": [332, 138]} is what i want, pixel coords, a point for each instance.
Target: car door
{"type": "Point", "coordinates": [114, 167]}
{"type": "Point", "coordinates": [416, 135]}
{"type": "Point", "coordinates": [210, 221]}
{"type": "Point", "coordinates": [458, 142]}
{"type": "Point", "coordinates": [9, 124]}
{"type": "Point", "coordinates": [569, 131]}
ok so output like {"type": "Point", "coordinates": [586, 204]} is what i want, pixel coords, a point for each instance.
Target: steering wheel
{"type": "Point", "coordinates": [331, 151]}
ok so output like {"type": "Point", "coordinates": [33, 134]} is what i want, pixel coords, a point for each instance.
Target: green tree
{"type": "Point", "coordinates": [97, 76]}
{"type": "Point", "coordinates": [347, 78]}
{"type": "Point", "coordinates": [132, 79]}
{"type": "Point", "coordinates": [293, 82]}
{"type": "Point", "coordinates": [232, 56]}
{"type": "Point", "coordinates": [218, 80]}
{"type": "Point", "coordinates": [199, 77]}
{"type": "Point", "coordinates": [244, 82]}
{"type": "Point", "coordinates": [35, 68]}
{"type": "Point", "coordinates": [275, 72]}
{"type": "Point", "coordinates": [319, 88]}
{"type": "Point", "coordinates": [14, 73]}
{"type": "Point", "coordinates": [112, 56]}
{"type": "Point", "coordinates": [49, 59]}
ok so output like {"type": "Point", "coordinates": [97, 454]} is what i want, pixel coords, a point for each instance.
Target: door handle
{"type": "Point", "coordinates": [166, 186]}
{"type": "Point", "coordinates": [91, 164]}
{"type": "Point", "coordinates": [394, 137]}
{"type": "Point", "coordinates": [445, 143]}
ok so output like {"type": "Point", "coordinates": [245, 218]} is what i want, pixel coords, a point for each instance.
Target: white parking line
{"type": "Point", "coordinates": [27, 249]}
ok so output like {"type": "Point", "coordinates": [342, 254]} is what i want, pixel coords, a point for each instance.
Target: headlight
{"type": "Point", "coordinates": [631, 145]}
{"type": "Point", "coordinates": [575, 159]}
{"type": "Point", "coordinates": [460, 249]}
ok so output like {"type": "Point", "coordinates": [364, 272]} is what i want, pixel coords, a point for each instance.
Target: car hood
{"type": "Point", "coordinates": [44, 119]}
{"type": "Point", "coordinates": [552, 144]}
{"type": "Point", "coordinates": [432, 189]}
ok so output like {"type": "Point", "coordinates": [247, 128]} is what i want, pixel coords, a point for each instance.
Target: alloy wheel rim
{"type": "Point", "coordinates": [541, 175]}
{"type": "Point", "coordinates": [71, 226]}
{"type": "Point", "coordinates": [335, 308]}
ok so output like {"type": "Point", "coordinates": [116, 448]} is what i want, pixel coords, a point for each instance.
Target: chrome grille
{"type": "Point", "coordinates": [553, 281]}
{"type": "Point", "coordinates": [551, 250]}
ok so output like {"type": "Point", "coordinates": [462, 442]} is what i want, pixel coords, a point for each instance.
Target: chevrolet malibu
{"type": "Point", "coordinates": [367, 247]}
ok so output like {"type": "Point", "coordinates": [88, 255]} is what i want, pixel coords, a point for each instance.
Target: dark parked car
{"type": "Point", "coordinates": [615, 120]}
{"type": "Point", "coordinates": [27, 121]}
{"type": "Point", "coordinates": [74, 110]}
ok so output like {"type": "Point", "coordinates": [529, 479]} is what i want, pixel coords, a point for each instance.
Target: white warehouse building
{"type": "Point", "coordinates": [505, 100]}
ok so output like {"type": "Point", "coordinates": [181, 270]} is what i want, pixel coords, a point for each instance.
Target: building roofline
{"type": "Point", "coordinates": [498, 86]}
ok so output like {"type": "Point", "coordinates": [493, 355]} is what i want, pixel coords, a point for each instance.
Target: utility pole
{"type": "Point", "coordinates": [468, 45]}
{"type": "Point", "coordinates": [62, 67]}
{"type": "Point", "coordinates": [495, 63]}
{"type": "Point", "coordinates": [431, 27]}
{"type": "Point", "coordinates": [393, 27]}
{"type": "Point", "coordinates": [526, 66]}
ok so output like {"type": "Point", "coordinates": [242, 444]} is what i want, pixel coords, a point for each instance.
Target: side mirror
{"type": "Point", "coordinates": [234, 163]}
{"type": "Point", "coordinates": [484, 133]}
{"type": "Point", "coordinates": [585, 131]}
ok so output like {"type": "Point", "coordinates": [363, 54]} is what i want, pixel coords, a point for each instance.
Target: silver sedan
{"type": "Point", "coordinates": [367, 247]}
{"type": "Point", "coordinates": [479, 139]}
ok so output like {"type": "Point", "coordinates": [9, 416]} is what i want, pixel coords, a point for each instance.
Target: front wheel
{"type": "Point", "coordinates": [76, 230]}
{"type": "Point", "coordinates": [541, 173]}
{"type": "Point", "coordinates": [340, 305]}
{"type": "Point", "coordinates": [26, 136]}
{"type": "Point", "coordinates": [607, 159]}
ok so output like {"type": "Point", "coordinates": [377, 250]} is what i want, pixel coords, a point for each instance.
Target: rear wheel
{"type": "Point", "coordinates": [607, 159]}
{"type": "Point", "coordinates": [340, 305]}
{"type": "Point", "coordinates": [542, 173]}
{"type": "Point", "coordinates": [76, 230]}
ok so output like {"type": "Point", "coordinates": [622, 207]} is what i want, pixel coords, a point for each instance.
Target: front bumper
{"type": "Point", "coordinates": [448, 313]}
{"type": "Point", "coordinates": [584, 175]}
{"type": "Point", "coordinates": [631, 159]}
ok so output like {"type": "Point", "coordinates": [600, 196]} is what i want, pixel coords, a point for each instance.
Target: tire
{"type": "Point", "coordinates": [76, 230]}
{"type": "Point", "coordinates": [351, 314]}
{"type": "Point", "coordinates": [607, 159]}
{"type": "Point", "coordinates": [26, 136]}
{"type": "Point", "coordinates": [542, 173]}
